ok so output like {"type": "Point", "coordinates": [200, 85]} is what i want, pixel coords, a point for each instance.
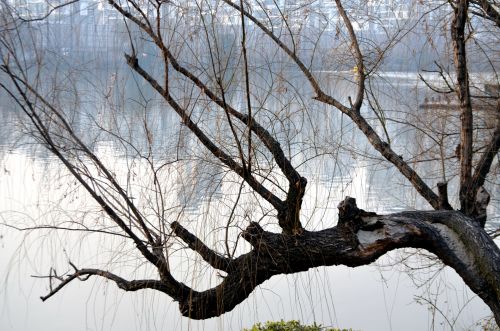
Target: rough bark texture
{"type": "Point", "coordinates": [467, 191]}
{"type": "Point", "coordinates": [359, 238]}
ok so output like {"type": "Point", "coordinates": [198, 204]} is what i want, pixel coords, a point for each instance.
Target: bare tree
{"type": "Point", "coordinates": [216, 89]}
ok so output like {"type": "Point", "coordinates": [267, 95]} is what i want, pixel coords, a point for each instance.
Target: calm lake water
{"type": "Point", "coordinates": [392, 294]}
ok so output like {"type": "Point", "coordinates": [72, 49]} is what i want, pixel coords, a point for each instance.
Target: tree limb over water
{"type": "Point", "coordinates": [358, 240]}
{"type": "Point", "coordinates": [256, 153]}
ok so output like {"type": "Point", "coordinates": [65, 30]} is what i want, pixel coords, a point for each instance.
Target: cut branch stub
{"type": "Point", "coordinates": [349, 219]}
{"type": "Point", "coordinates": [482, 202]}
{"type": "Point", "coordinates": [349, 214]}
{"type": "Point", "coordinates": [253, 233]}
{"type": "Point", "coordinates": [443, 196]}
{"type": "Point", "coordinates": [289, 215]}
{"type": "Point", "coordinates": [352, 219]}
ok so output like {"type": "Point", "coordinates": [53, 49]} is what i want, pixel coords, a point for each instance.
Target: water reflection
{"type": "Point", "coordinates": [336, 160]}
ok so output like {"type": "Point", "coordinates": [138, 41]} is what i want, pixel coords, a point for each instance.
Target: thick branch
{"type": "Point", "coordinates": [210, 256]}
{"type": "Point", "coordinates": [359, 239]}
{"type": "Point", "coordinates": [355, 116]}
{"type": "Point", "coordinates": [467, 192]}
{"type": "Point", "coordinates": [85, 274]}
{"type": "Point", "coordinates": [453, 237]}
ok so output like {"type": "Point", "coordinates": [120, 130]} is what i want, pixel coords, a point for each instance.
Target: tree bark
{"type": "Point", "coordinates": [467, 192]}
{"type": "Point", "coordinates": [359, 239]}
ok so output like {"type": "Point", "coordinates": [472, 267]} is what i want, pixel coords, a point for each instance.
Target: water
{"type": "Point", "coordinates": [36, 190]}
{"type": "Point", "coordinates": [367, 298]}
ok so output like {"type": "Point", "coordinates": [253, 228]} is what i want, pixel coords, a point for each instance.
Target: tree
{"type": "Point", "coordinates": [207, 60]}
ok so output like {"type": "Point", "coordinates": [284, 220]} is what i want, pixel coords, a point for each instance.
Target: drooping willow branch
{"type": "Point", "coordinates": [288, 210]}
{"type": "Point", "coordinates": [353, 112]}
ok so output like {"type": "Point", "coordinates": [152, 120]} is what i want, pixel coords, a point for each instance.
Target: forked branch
{"type": "Point", "coordinates": [210, 256]}
{"type": "Point", "coordinates": [288, 211]}
{"type": "Point", "coordinates": [225, 158]}
{"type": "Point", "coordinates": [359, 239]}
{"type": "Point", "coordinates": [85, 274]}
{"type": "Point", "coordinates": [352, 111]}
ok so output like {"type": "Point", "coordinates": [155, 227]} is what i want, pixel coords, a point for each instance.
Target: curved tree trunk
{"type": "Point", "coordinates": [359, 239]}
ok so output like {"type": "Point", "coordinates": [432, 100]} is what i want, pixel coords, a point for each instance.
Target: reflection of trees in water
{"type": "Point", "coordinates": [199, 182]}
{"type": "Point", "coordinates": [331, 153]}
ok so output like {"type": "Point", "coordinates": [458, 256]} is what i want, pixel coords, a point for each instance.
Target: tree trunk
{"type": "Point", "coordinates": [359, 239]}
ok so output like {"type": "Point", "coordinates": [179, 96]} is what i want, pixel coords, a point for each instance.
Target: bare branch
{"type": "Point", "coordinates": [30, 111]}
{"type": "Point", "coordinates": [134, 285]}
{"type": "Point", "coordinates": [488, 156]}
{"type": "Point", "coordinates": [54, 8]}
{"type": "Point", "coordinates": [216, 151]}
{"type": "Point", "coordinates": [84, 147]}
{"type": "Point", "coordinates": [360, 66]}
{"type": "Point", "coordinates": [210, 256]}
{"type": "Point", "coordinates": [285, 48]}
{"type": "Point", "coordinates": [356, 117]}
{"type": "Point", "coordinates": [489, 12]}
{"type": "Point", "coordinates": [467, 192]}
